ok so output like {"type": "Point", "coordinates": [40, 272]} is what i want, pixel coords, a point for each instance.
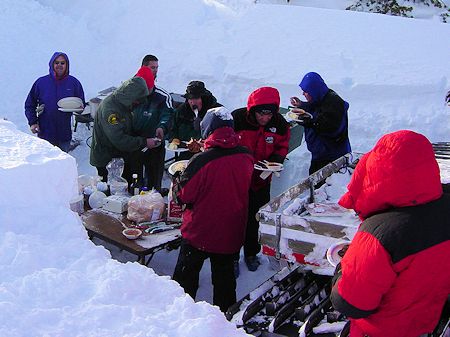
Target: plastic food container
{"type": "Point", "coordinates": [96, 199]}
{"type": "Point", "coordinates": [132, 233]}
{"type": "Point", "coordinates": [118, 187]}
{"type": "Point", "coordinates": [77, 204]}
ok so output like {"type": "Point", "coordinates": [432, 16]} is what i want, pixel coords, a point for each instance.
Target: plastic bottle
{"type": "Point", "coordinates": [134, 186]}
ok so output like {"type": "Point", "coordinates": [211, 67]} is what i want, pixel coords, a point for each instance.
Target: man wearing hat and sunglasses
{"type": "Point", "coordinates": [187, 117]}
{"type": "Point", "coordinates": [266, 134]}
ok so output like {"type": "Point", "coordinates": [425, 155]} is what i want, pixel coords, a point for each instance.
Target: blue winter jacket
{"type": "Point", "coordinates": [54, 125]}
{"type": "Point", "coordinates": [326, 134]}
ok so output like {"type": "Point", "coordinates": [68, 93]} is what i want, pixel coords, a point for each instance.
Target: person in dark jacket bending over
{"type": "Point", "coordinates": [214, 188]}
{"type": "Point", "coordinates": [394, 279]}
{"type": "Point", "coordinates": [41, 108]}
{"type": "Point", "coordinates": [187, 117]}
{"type": "Point", "coordinates": [266, 134]}
{"type": "Point", "coordinates": [113, 134]}
{"type": "Point", "coordinates": [326, 133]}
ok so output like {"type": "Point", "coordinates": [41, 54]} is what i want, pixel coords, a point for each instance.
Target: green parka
{"type": "Point", "coordinates": [113, 136]}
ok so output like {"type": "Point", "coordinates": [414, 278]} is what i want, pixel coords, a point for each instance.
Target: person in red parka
{"type": "Point", "coordinates": [214, 187]}
{"type": "Point", "coordinates": [265, 132]}
{"type": "Point", "coordinates": [394, 279]}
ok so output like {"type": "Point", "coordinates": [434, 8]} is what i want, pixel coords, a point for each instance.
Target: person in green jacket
{"type": "Point", "coordinates": [187, 117]}
{"type": "Point", "coordinates": [151, 119]}
{"type": "Point", "coordinates": [113, 135]}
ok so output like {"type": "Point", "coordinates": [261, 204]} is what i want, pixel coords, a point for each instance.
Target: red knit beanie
{"type": "Point", "coordinates": [147, 75]}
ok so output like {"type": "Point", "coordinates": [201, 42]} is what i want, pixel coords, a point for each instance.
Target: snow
{"type": "Point", "coordinates": [394, 72]}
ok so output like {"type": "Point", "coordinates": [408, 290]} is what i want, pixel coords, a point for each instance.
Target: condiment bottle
{"type": "Point", "coordinates": [134, 186]}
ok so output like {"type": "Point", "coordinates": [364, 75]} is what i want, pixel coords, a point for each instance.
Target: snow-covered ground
{"type": "Point", "coordinates": [394, 72]}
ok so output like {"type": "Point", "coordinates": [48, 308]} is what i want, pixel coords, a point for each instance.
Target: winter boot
{"type": "Point", "coordinates": [252, 262]}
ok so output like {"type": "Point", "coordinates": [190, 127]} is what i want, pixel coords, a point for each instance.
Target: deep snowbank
{"type": "Point", "coordinates": [55, 281]}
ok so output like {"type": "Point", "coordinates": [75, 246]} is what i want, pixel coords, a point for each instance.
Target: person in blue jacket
{"type": "Point", "coordinates": [326, 126]}
{"type": "Point", "coordinates": [41, 108]}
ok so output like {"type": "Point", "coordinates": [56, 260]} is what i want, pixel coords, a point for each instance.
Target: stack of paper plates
{"type": "Point", "coordinates": [71, 104]}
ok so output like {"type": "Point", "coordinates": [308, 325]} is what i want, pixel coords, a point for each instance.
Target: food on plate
{"type": "Point", "coordinates": [297, 113]}
{"type": "Point", "coordinates": [194, 145]}
{"type": "Point", "coordinates": [178, 166]}
{"type": "Point", "coordinates": [173, 145]}
{"type": "Point", "coordinates": [132, 233]}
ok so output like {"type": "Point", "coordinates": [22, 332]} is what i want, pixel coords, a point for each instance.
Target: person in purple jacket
{"type": "Point", "coordinates": [41, 108]}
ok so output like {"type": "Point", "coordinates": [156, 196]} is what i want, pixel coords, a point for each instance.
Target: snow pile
{"type": "Point", "coordinates": [56, 281]}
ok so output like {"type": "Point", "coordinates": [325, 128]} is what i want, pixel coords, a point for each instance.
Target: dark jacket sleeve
{"type": "Point", "coordinates": [174, 132]}
{"type": "Point", "coordinates": [281, 148]}
{"type": "Point", "coordinates": [79, 92]}
{"type": "Point", "coordinates": [31, 103]}
{"type": "Point", "coordinates": [165, 118]}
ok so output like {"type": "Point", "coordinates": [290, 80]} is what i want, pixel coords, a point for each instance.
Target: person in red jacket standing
{"type": "Point", "coordinates": [266, 134]}
{"type": "Point", "coordinates": [214, 188]}
{"type": "Point", "coordinates": [394, 279]}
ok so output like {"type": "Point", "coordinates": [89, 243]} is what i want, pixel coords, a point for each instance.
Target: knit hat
{"type": "Point", "coordinates": [147, 75]}
{"type": "Point", "coordinates": [265, 98]}
{"type": "Point", "coordinates": [195, 89]}
{"type": "Point", "coordinates": [215, 118]}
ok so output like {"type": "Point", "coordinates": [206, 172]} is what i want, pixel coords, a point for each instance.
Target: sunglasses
{"type": "Point", "coordinates": [265, 113]}
{"type": "Point", "coordinates": [60, 62]}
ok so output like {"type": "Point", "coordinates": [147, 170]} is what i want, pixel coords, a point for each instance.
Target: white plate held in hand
{"type": "Point", "coordinates": [268, 166]}
{"type": "Point", "coordinates": [298, 117]}
{"type": "Point", "coordinates": [334, 252]}
{"type": "Point", "coordinates": [71, 110]}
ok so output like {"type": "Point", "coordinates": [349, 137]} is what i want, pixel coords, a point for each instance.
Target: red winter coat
{"type": "Point", "coordinates": [395, 277]}
{"type": "Point", "coordinates": [214, 187]}
{"type": "Point", "coordinates": [270, 142]}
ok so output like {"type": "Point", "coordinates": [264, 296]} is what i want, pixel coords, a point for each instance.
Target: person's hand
{"type": "Point", "coordinates": [152, 143]}
{"type": "Point", "coordinates": [295, 101]}
{"type": "Point", "coordinates": [159, 133]}
{"type": "Point", "coordinates": [34, 128]}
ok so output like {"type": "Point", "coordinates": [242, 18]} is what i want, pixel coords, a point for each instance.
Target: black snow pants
{"type": "Point", "coordinates": [187, 271]}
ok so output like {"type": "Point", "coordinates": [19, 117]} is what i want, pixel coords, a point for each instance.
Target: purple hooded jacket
{"type": "Point", "coordinates": [54, 125]}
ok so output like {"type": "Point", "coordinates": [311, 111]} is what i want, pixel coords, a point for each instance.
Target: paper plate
{"type": "Point", "coordinates": [178, 166]}
{"type": "Point", "coordinates": [333, 252]}
{"type": "Point", "coordinates": [71, 103]}
{"type": "Point", "coordinates": [71, 110]}
{"type": "Point", "coordinates": [178, 149]}
{"type": "Point", "coordinates": [296, 117]}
